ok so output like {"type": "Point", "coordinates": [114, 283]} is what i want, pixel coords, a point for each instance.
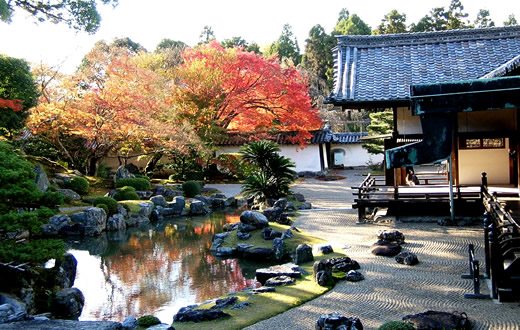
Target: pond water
{"type": "Point", "coordinates": [156, 269]}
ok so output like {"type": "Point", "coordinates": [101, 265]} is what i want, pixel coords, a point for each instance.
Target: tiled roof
{"type": "Point", "coordinates": [347, 138]}
{"type": "Point", "coordinates": [319, 136]}
{"type": "Point", "coordinates": [381, 68]}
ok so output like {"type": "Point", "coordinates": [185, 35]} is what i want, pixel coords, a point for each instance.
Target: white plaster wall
{"type": "Point", "coordinates": [307, 159]}
{"type": "Point", "coordinates": [495, 162]}
{"type": "Point", "coordinates": [406, 123]}
{"type": "Point", "coordinates": [488, 121]}
{"type": "Point", "coordinates": [355, 155]}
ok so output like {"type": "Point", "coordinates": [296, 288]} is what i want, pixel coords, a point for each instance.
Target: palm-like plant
{"type": "Point", "coordinates": [274, 172]}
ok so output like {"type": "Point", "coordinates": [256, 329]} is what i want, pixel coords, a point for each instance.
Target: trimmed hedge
{"type": "Point", "coordinates": [147, 321]}
{"type": "Point", "coordinates": [79, 185]}
{"type": "Point", "coordinates": [141, 184]}
{"type": "Point", "coordinates": [396, 325]}
{"type": "Point", "coordinates": [126, 193]}
{"type": "Point", "coordinates": [191, 188]}
{"type": "Point", "coordinates": [111, 204]}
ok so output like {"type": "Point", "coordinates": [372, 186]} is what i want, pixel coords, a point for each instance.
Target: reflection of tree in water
{"type": "Point", "coordinates": [154, 268]}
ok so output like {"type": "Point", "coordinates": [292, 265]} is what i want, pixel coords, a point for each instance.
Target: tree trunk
{"type": "Point", "coordinates": [92, 166]}
{"type": "Point", "coordinates": [152, 163]}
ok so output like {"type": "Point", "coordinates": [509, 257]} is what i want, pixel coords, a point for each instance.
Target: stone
{"type": "Point", "coordinates": [198, 208]}
{"type": "Point", "coordinates": [93, 220]}
{"type": "Point", "coordinates": [116, 222]}
{"type": "Point", "coordinates": [72, 230]}
{"type": "Point", "coordinates": [59, 221]}
{"type": "Point", "coordinates": [166, 191]}
{"type": "Point", "coordinates": [245, 228]}
{"type": "Point", "coordinates": [177, 205]}
{"type": "Point", "coordinates": [299, 197]}
{"type": "Point", "coordinates": [284, 219]}
{"type": "Point", "coordinates": [215, 244]}
{"type": "Point", "coordinates": [48, 230]}
{"type": "Point", "coordinates": [304, 206]}
{"type": "Point", "coordinates": [26, 295]}
{"type": "Point", "coordinates": [244, 248]}
{"type": "Point", "coordinates": [278, 248]}
{"type": "Point", "coordinates": [325, 248]}
{"type": "Point", "coordinates": [64, 178]}
{"type": "Point", "coordinates": [322, 272]}
{"type": "Point", "coordinates": [66, 324]}
{"type": "Point", "coordinates": [68, 304]}
{"type": "Point", "coordinates": [390, 236]}
{"type": "Point", "coordinates": [273, 213]}
{"type": "Point", "coordinates": [335, 320]}
{"type": "Point", "coordinates": [289, 269]}
{"type": "Point", "coordinates": [130, 323]}
{"type": "Point", "coordinates": [11, 309]}
{"type": "Point", "coordinates": [216, 203]}
{"type": "Point", "coordinates": [221, 235]}
{"type": "Point", "coordinates": [254, 218]}
{"type": "Point", "coordinates": [41, 180]}
{"type": "Point", "coordinates": [203, 199]}
{"type": "Point", "coordinates": [146, 208]}
{"type": "Point", "coordinates": [69, 192]}
{"type": "Point", "coordinates": [229, 226]}
{"type": "Point", "coordinates": [122, 173]}
{"type": "Point", "coordinates": [132, 168]}
{"type": "Point", "coordinates": [144, 194]}
{"type": "Point", "coordinates": [303, 254]}
{"type": "Point", "coordinates": [263, 289]}
{"type": "Point", "coordinates": [198, 315]}
{"type": "Point", "coordinates": [231, 201]}
{"type": "Point", "coordinates": [270, 234]}
{"type": "Point", "coordinates": [225, 302]}
{"type": "Point", "coordinates": [438, 320]}
{"type": "Point", "coordinates": [225, 252]}
{"type": "Point", "coordinates": [407, 258]}
{"type": "Point", "coordinates": [243, 236]}
{"type": "Point", "coordinates": [122, 210]}
{"type": "Point", "coordinates": [354, 276]}
{"type": "Point", "coordinates": [384, 248]}
{"type": "Point", "coordinates": [218, 196]}
{"type": "Point", "coordinates": [241, 306]}
{"type": "Point", "coordinates": [66, 271]}
{"type": "Point", "coordinates": [290, 207]}
{"type": "Point", "coordinates": [137, 220]}
{"type": "Point", "coordinates": [287, 234]}
{"type": "Point", "coordinates": [280, 280]}
{"type": "Point", "coordinates": [280, 203]}
{"type": "Point", "coordinates": [259, 253]}
{"type": "Point", "coordinates": [344, 264]}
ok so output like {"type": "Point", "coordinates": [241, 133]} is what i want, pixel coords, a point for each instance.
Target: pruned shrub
{"type": "Point", "coordinates": [126, 193]}
{"type": "Point", "coordinates": [111, 204]}
{"type": "Point", "coordinates": [191, 188]}
{"type": "Point", "coordinates": [51, 199]}
{"type": "Point", "coordinates": [79, 185]}
{"type": "Point", "coordinates": [147, 321]}
{"type": "Point", "coordinates": [396, 325]}
{"type": "Point", "coordinates": [104, 207]}
{"type": "Point", "coordinates": [194, 175]}
{"type": "Point", "coordinates": [141, 184]}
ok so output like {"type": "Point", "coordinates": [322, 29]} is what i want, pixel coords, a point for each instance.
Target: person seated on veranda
{"type": "Point", "coordinates": [411, 178]}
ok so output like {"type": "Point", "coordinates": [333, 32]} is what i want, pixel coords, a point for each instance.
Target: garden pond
{"type": "Point", "coordinates": [157, 269]}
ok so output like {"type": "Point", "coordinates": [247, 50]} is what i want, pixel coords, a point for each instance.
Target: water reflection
{"type": "Point", "coordinates": [156, 269]}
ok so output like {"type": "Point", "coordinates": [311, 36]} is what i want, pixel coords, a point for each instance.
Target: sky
{"type": "Point", "coordinates": [148, 22]}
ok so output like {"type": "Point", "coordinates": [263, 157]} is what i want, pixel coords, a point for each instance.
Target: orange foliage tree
{"type": "Point", "coordinates": [223, 89]}
{"type": "Point", "coordinates": [128, 109]}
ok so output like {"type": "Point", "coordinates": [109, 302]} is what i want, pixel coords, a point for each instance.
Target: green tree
{"type": "Point", "coordinates": [286, 46]}
{"type": "Point", "coordinates": [441, 19]}
{"type": "Point", "coordinates": [241, 43]}
{"type": "Point", "coordinates": [273, 173]}
{"type": "Point", "coordinates": [80, 15]}
{"type": "Point", "coordinates": [393, 22]}
{"type": "Point", "coordinates": [344, 14]}
{"type": "Point", "coordinates": [456, 17]}
{"type": "Point", "coordinates": [511, 20]}
{"type": "Point", "coordinates": [18, 190]}
{"type": "Point", "coordinates": [318, 55]}
{"type": "Point", "coordinates": [16, 83]}
{"type": "Point", "coordinates": [354, 25]}
{"type": "Point", "coordinates": [483, 20]}
{"type": "Point", "coordinates": [381, 123]}
{"type": "Point", "coordinates": [206, 35]}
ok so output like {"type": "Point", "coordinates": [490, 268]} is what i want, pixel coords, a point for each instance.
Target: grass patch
{"type": "Point", "coordinates": [266, 305]}
{"type": "Point", "coordinates": [133, 205]}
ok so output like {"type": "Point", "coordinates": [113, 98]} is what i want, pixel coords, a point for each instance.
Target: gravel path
{"type": "Point", "coordinates": [391, 290]}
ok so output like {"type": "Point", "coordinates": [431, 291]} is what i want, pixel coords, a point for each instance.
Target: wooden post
{"type": "Point", "coordinates": [484, 180]}
{"type": "Point", "coordinates": [487, 223]}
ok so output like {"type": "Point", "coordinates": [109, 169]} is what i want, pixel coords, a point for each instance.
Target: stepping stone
{"type": "Point", "coordinates": [387, 249]}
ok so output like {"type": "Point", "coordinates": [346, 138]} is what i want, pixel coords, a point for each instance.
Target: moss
{"type": "Point", "coordinates": [147, 321]}
{"type": "Point", "coordinates": [396, 325]}
{"type": "Point", "coordinates": [133, 206]}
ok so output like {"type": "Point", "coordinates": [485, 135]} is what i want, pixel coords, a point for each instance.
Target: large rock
{"type": "Point", "coordinates": [303, 254]}
{"type": "Point", "coordinates": [130, 323]}
{"type": "Point", "coordinates": [41, 180]}
{"type": "Point", "coordinates": [354, 276]}
{"type": "Point", "coordinates": [122, 173]}
{"type": "Point", "coordinates": [344, 264]}
{"type": "Point", "coordinates": [258, 253]}
{"type": "Point", "coordinates": [335, 320]}
{"type": "Point", "coordinates": [225, 302]}
{"type": "Point", "coordinates": [281, 204]}
{"type": "Point", "coordinates": [68, 304]}
{"type": "Point", "coordinates": [93, 220]}
{"type": "Point", "coordinates": [280, 280]}
{"type": "Point", "coordinates": [270, 234]}
{"type": "Point", "coordinates": [390, 236]}
{"type": "Point", "coordinates": [66, 271]}
{"type": "Point", "coordinates": [438, 320]}
{"type": "Point", "coordinates": [299, 197]}
{"type": "Point", "coordinates": [186, 314]}
{"type": "Point", "coordinates": [322, 272]}
{"type": "Point", "coordinates": [245, 228]}
{"type": "Point", "coordinates": [273, 213]}
{"type": "Point", "coordinates": [137, 220]}
{"type": "Point", "coordinates": [407, 258]}
{"type": "Point", "coordinates": [71, 193]}
{"type": "Point", "coordinates": [62, 179]}
{"type": "Point", "coordinates": [166, 191]}
{"type": "Point", "coordinates": [290, 269]}
{"type": "Point", "coordinates": [384, 248]}
{"type": "Point", "coordinates": [304, 206]}
{"type": "Point", "coordinates": [59, 221]}
{"type": "Point", "coordinates": [159, 201]}
{"type": "Point", "coordinates": [11, 309]}
{"type": "Point", "coordinates": [254, 218]}
{"type": "Point", "coordinates": [116, 222]}
{"type": "Point", "coordinates": [177, 205]}
{"type": "Point", "coordinates": [146, 208]}
{"type": "Point", "coordinates": [144, 194]}
{"type": "Point", "coordinates": [198, 207]}
{"type": "Point", "coordinates": [278, 248]}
